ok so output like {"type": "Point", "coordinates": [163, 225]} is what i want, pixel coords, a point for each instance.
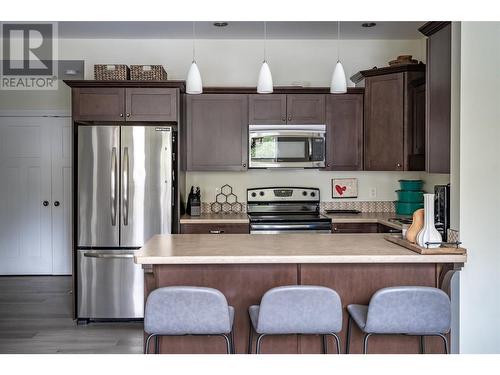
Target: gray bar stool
{"type": "Point", "coordinates": [297, 309]}
{"type": "Point", "coordinates": [188, 310]}
{"type": "Point", "coordinates": [404, 310]}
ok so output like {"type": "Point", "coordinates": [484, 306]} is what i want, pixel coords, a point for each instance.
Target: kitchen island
{"type": "Point", "coordinates": [244, 267]}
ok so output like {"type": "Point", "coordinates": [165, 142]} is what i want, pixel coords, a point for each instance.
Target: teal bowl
{"type": "Point", "coordinates": [410, 196]}
{"type": "Point", "coordinates": [413, 185]}
{"type": "Point", "coordinates": [405, 208]}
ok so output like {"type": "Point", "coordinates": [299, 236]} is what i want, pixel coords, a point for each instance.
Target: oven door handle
{"type": "Point", "coordinates": [289, 226]}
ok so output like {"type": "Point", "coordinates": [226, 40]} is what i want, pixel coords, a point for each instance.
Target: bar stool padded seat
{"type": "Point", "coordinates": [188, 310]}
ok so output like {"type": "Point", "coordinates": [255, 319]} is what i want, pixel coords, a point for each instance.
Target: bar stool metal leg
{"type": "Point", "coordinates": [365, 343]}
{"type": "Point", "coordinates": [148, 340]}
{"type": "Point", "coordinates": [422, 345]}
{"type": "Point", "coordinates": [233, 350]}
{"type": "Point", "coordinates": [348, 341]}
{"type": "Point", "coordinates": [228, 343]}
{"type": "Point", "coordinates": [337, 341]}
{"type": "Point", "coordinates": [324, 344]}
{"type": "Point", "coordinates": [157, 345]}
{"type": "Point", "coordinates": [250, 340]}
{"type": "Point", "coordinates": [259, 339]}
{"type": "Point", "coordinates": [445, 342]}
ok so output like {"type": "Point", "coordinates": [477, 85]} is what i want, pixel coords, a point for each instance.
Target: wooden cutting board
{"type": "Point", "coordinates": [424, 251]}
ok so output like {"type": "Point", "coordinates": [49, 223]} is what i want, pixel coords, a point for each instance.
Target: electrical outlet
{"type": "Point", "coordinates": [372, 192]}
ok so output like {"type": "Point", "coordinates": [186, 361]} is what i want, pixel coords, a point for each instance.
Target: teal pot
{"type": "Point", "coordinates": [406, 208]}
{"type": "Point", "coordinates": [413, 185]}
{"type": "Point", "coordinates": [410, 196]}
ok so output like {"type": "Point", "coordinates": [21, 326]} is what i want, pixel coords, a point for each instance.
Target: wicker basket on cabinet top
{"type": "Point", "coordinates": [111, 72]}
{"type": "Point", "coordinates": [147, 73]}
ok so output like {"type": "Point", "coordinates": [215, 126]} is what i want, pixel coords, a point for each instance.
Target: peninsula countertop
{"type": "Point", "coordinates": [283, 248]}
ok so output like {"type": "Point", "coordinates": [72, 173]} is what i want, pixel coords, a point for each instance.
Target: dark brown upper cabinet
{"type": "Point", "coordinates": [124, 104]}
{"type": "Point", "coordinates": [305, 109]}
{"type": "Point", "coordinates": [267, 109]}
{"type": "Point", "coordinates": [217, 132]}
{"type": "Point", "coordinates": [438, 98]}
{"type": "Point", "coordinates": [98, 104]}
{"type": "Point", "coordinates": [344, 133]}
{"type": "Point", "coordinates": [391, 116]}
{"type": "Point", "coordinates": [151, 104]}
{"type": "Point", "coordinates": [292, 109]}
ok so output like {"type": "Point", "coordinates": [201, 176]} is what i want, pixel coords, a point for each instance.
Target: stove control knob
{"type": "Point", "coordinates": [304, 193]}
{"type": "Point", "coordinates": [261, 193]}
{"type": "Point", "coordinates": [313, 194]}
{"type": "Point", "coordinates": [254, 194]}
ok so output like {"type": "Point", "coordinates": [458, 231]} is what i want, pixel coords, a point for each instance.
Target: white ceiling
{"type": "Point", "coordinates": [238, 30]}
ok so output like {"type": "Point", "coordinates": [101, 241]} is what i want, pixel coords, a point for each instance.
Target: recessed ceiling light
{"type": "Point", "coordinates": [368, 24]}
{"type": "Point", "coordinates": [220, 24]}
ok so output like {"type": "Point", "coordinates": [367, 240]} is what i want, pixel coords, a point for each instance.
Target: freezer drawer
{"type": "Point", "coordinates": [110, 285]}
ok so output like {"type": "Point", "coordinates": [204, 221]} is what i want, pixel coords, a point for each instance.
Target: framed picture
{"type": "Point", "coordinates": [344, 188]}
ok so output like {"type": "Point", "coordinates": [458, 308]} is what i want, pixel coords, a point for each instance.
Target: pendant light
{"type": "Point", "coordinates": [339, 83]}
{"type": "Point", "coordinates": [193, 81]}
{"type": "Point", "coordinates": [265, 82]}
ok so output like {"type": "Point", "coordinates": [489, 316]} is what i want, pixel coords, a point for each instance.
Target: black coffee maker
{"type": "Point", "coordinates": [194, 202]}
{"type": "Point", "coordinates": [442, 209]}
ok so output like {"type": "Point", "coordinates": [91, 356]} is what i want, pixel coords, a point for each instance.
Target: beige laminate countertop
{"type": "Point", "coordinates": [366, 217]}
{"type": "Point", "coordinates": [215, 218]}
{"type": "Point", "coordinates": [283, 248]}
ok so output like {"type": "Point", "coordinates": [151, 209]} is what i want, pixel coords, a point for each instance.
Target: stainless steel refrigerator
{"type": "Point", "coordinates": [124, 197]}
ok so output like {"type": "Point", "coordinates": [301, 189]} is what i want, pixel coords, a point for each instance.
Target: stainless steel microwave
{"type": "Point", "coordinates": [286, 146]}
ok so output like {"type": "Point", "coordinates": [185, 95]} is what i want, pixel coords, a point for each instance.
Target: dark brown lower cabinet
{"type": "Point", "coordinates": [217, 132]}
{"type": "Point", "coordinates": [344, 133]}
{"type": "Point", "coordinates": [245, 284]}
{"type": "Point", "coordinates": [355, 227]}
{"type": "Point", "coordinates": [215, 228]}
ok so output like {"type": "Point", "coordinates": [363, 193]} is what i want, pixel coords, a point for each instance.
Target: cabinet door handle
{"type": "Point", "coordinates": [216, 232]}
{"type": "Point", "coordinates": [398, 165]}
{"type": "Point", "coordinates": [244, 165]}
{"type": "Point", "coordinates": [45, 203]}
{"type": "Point", "coordinates": [283, 118]}
{"type": "Point", "coordinates": [56, 203]}
{"type": "Point", "coordinates": [121, 114]}
{"type": "Point", "coordinates": [128, 114]}
{"type": "Point", "coordinates": [289, 118]}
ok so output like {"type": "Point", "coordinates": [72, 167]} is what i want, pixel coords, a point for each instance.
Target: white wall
{"type": "Point", "coordinates": [480, 187]}
{"type": "Point", "coordinates": [237, 63]}
{"type": "Point", "coordinates": [222, 62]}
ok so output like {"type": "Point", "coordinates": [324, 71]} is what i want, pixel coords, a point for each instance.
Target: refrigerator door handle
{"type": "Point", "coordinates": [125, 185]}
{"type": "Point", "coordinates": [108, 256]}
{"type": "Point", "coordinates": [113, 186]}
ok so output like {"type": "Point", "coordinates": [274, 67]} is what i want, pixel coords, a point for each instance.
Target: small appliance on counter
{"type": "Point", "coordinates": [410, 197]}
{"type": "Point", "coordinates": [194, 202]}
{"type": "Point", "coordinates": [442, 209]}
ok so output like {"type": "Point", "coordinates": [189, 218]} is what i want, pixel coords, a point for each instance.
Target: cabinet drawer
{"type": "Point", "coordinates": [215, 228]}
{"type": "Point", "coordinates": [354, 228]}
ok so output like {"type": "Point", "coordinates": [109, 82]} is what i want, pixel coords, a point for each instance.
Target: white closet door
{"type": "Point", "coordinates": [61, 196]}
{"type": "Point", "coordinates": [25, 183]}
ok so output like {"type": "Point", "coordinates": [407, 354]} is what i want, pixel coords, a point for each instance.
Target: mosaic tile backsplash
{"type": "Point", "coordinates": [363, 206]}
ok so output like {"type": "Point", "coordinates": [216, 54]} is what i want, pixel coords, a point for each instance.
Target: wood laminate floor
{"type": "Point", "coordinates": [35, 317]}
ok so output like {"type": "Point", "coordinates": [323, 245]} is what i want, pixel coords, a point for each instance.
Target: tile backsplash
{"type": "Point", "coordinates": [363, 206]}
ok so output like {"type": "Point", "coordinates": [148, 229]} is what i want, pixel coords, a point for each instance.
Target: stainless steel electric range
{"type": "Point", "coordinates": [274, 210]}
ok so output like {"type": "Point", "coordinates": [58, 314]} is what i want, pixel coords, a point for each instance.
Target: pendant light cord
{"type": "Point", "coordinates": [265, 41]}
{"type": "Point", "coordinates": [338, 41]}
{"type": "Point", "coordinates": [194, 33]}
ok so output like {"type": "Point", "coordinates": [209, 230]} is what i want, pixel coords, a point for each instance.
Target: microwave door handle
{"type": "Point", "coordinates": [310, 149]}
